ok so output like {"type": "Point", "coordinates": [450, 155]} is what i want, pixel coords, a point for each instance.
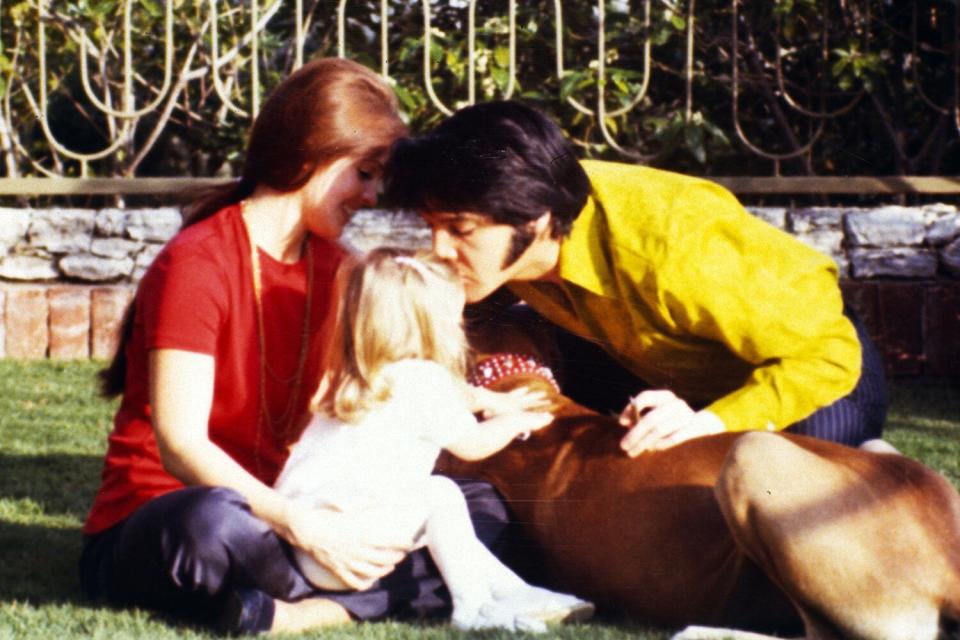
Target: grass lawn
{"type": "Point", "coordinates": [52, 435]}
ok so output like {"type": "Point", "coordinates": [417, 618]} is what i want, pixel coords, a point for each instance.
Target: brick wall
{"type": "Point", "coordinates": [900, 266]}
{"type": "Point", "coordinates": [61, 322]}
{"type": "Point", "coordinates": [916, 324]}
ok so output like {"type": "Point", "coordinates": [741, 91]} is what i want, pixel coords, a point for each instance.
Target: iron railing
{"type": "Point", "coordinates": [754, 185]}
{"type": "Point", "coordinates": [138, 70]}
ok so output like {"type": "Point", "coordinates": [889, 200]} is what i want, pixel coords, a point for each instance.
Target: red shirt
{"type": "Point", "coordinates": [198, 296]}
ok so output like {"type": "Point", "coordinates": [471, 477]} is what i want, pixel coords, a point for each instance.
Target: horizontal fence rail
{"type": "Point", "coordinates": [761, 185]}
{"type": "Point", "coordinates": [859, 87]}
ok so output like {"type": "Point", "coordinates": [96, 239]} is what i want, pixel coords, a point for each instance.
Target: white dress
{"type": "Point", "coordinates": [378, 472]}
{"type": "Point", "coordinates": [373, 468]}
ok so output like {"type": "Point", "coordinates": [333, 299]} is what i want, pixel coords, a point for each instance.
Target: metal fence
{"type": "Point", "coordinates": [137, 74]}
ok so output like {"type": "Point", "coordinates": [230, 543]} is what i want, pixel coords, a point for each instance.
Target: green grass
{"type": "Point", "coordinates": [924, 422]}
{"type": "Point", "coordinates": [52, 434]}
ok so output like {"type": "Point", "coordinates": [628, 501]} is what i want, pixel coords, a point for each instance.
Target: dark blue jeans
{"type": "Point", "coordinates": [183, 553]}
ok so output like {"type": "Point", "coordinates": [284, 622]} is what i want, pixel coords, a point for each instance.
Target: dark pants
{"type": "Point", "coordinates": [594, 379]}
{"type": "Point", "coordinates": [185, 552]}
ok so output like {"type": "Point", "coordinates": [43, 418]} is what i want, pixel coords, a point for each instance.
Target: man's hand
{"type": "Point", "coordinates": [659, 419]}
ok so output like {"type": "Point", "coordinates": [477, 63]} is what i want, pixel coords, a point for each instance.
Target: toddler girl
{"type": "Point", "coordinates": [392, 397]}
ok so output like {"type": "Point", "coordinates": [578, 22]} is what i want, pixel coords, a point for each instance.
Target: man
{"type": "Point", "coordinates": [727, 322]}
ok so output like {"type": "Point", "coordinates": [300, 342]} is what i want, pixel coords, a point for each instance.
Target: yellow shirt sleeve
{"type": "Point", "coordinates": [771, 300]}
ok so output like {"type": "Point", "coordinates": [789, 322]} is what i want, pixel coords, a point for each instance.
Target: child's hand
{"type": "Point", "coordinates": [493, 434]}
{"type": "Point", "coordinates": [493, 403]}
{"type": "Point", "coordinates": [521, 423]}
{"type": "Point", "coordinates": [529, 421]}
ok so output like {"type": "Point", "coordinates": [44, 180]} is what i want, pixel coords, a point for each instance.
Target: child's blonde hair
{"type": "Point", "coordinates": [393, 304]}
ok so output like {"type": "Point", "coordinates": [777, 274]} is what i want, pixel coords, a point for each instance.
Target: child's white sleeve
{"type": "Point", "coordinates": [436, 406]}
{"type": "Point", "coordinates": [295, 475]}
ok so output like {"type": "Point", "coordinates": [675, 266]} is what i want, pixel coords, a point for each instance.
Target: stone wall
{"type": "Point", "coordinates": [82, 245]}
{"type": "Point", "coordinates": [67, 274]}
{"type": "Point", "coordinates": [891, 241]}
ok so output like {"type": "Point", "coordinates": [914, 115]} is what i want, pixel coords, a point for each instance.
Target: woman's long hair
{"type": "Point", "coordinates": [393, 305]}
{"type": "Point", "coordinates": [327, 109]}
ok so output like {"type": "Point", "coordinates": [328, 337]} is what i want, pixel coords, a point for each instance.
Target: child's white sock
{"type": "Point", "coordinates": [494, 616]}
{"type": "Point", "coordinates": [545, 605]}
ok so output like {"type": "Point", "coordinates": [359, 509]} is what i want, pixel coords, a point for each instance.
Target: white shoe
{"type": "Point", "coordinates": [549, 607]}
{"type": "Point", "coordinates": [495, 615]}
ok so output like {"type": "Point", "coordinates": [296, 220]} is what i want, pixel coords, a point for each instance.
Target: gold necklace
{"type": "Point", "coordinates": [282, 424]}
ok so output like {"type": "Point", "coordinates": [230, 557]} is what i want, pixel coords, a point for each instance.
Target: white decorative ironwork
{"type": "Point", "coordinates": [224, 55]}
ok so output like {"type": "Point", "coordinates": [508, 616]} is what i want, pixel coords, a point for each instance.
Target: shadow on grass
{"type": "Point", "coordinates": [39, 564]}
{"type": "Point", "coordinates": [40, 534]}
{"type": "Point", "coordinates": [61, 484]}
{"type": "Point", "coordinates": [906, 426]}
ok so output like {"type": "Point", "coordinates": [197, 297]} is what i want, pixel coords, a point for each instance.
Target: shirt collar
{"type": "Point", "coordinates": [583, 253]}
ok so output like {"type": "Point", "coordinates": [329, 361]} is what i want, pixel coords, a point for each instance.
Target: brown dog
{"type": "Point", "coordinates": [757, 531]}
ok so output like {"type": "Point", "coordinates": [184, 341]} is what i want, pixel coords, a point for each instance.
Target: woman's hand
{"type": "Point", "coordinates": [181, 396]}
{"type": "Point", "coordinates": [347, 548]}
{"type": "Point", "coordinates": [491, 404]}
{"type": "Point", "coordinates": [659, 419]}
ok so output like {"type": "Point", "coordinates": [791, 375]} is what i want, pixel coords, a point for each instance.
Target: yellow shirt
{"type": "Point", "coordinates": [693, 293]}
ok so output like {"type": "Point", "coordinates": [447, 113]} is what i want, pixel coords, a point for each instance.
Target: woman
{"type": "Point", "coordinates": [218, 361]}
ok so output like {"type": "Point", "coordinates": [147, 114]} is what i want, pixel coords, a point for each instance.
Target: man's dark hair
{"type": "Point", "coordinates": [500, 159]}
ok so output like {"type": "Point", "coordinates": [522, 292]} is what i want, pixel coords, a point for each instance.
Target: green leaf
{"type": "Point", "coordinates": [19, 11]}
{"type": "Point", "coordinates": [612, 125]}
{"type": "Point", "coordinates": [409, 48]}
{"type": "Point", "coordinates": [679, 22]}
{"type": "Point", "coordinates": [102, 8]}
{"type": "Point", "coordinates": [625, 73]}
{"type": "Point", "coordinates": [661, 36]}
{"type": "Point", "coordinates": [570, 83]}
{"type": "Point", "coordinates": [716, 133]}
{"type": "Point", "coordinates": [619, 80]}
{"type": "Point", "coordinates": [405, 97]}
{"type": "Point", "coordinates": [693, 139]}
{"type": "Point", "coordinates": [436, 52]}
{"type": "Point", "coordinates": [501, 55]}
{"type": "Point", "coordinates": [153, 8]}
{"type": "Point", "coordinates": [501, 77]}
{"type": "Point", "coordinates": [783, 7]}
{"type": "Point", "coordinates": [452, 58]}
{"type": "Point", "coordinates": [838, 67]}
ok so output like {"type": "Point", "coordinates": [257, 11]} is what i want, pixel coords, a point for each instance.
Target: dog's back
{"type": "Point", "coordinates": [642, 536]}
{"type": "Point", "coordinates": [695, 535]}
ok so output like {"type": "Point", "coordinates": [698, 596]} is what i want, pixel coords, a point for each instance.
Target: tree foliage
{"type": "Point", "coordinates": [854, 87]}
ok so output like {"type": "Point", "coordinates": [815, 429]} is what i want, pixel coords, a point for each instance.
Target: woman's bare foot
{"type": "Point", "coordinates": [311, 613]}
{"type": "Point", "coordinates": [878, 445]}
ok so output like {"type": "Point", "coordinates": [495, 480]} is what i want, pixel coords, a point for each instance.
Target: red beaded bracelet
{"type": "Point", "coordinates": [497, 367]}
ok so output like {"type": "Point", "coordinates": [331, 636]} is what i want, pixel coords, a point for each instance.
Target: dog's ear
{"type": "Point", "coordinates": [554, 400]}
